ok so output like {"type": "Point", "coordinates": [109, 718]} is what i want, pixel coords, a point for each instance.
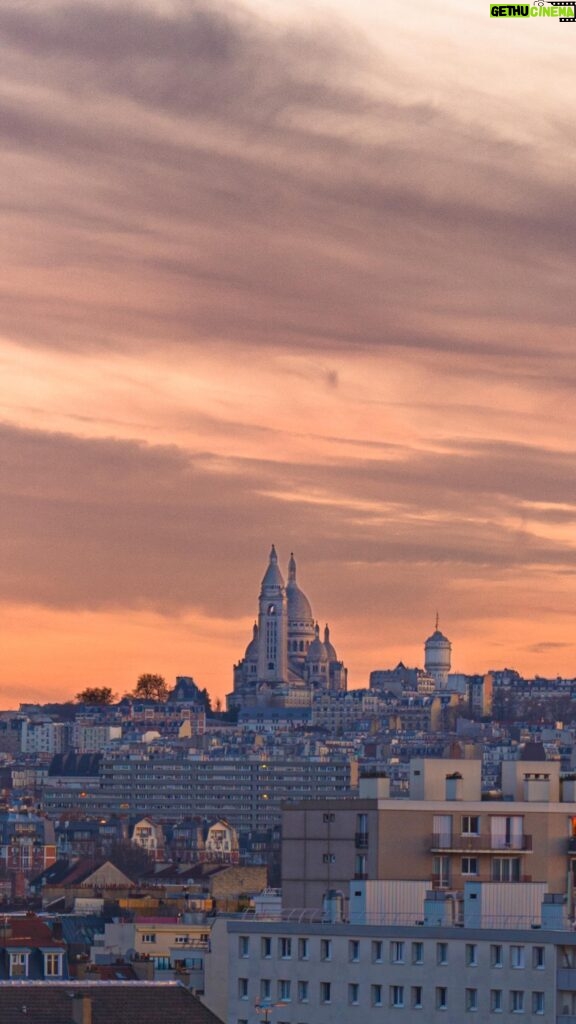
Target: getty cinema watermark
{"type": "Point", "coordinates": [562, 11]}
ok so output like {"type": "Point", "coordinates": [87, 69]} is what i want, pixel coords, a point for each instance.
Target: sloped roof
{"type": "Point", "coordinates": [128, 1002]}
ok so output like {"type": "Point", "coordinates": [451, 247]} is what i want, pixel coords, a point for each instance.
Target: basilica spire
{"type": "Point", "coordinates": [292, 568]}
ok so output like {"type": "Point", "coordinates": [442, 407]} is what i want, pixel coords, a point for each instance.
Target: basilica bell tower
{"type": "Point", "coordinates": [273, 625]}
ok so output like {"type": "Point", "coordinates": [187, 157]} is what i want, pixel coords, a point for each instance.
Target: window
{"type": "Point", "coordinates": [537, 1002]}
{"type": "Point", "coordinates": [354, 951]}
{"type": "Point", "coordinates": [441, 998]}
{"type": "Point", "coordinates": [242, 988]}
{"type": "Point", "coordinates": [538, 960]}
{"type": "Point", "coordinates": [506, 869]}
{"type": "Point", "coordinates": [302, 991]}
{"type": "Point", "coordinates": [416, 997]}
{"type": "Point", "coordinates": [18, 965]}
{"type": "Point", "coordinates": [517, 956]}
{"type": "Point", "coordinates": [376, 995]}
{"type": "Point", "coordinates": [353, 994]}
{"type": "Point", "coordinates": [470, 825]}
{"type": "Point", "coordinates": [361, 866]}
{"type": "Point", "coordinates": [396, 952]}
{"type": "Point", "coordinates": [417, 952]}
{"type": "Point", "coordinates": [471, 999]}
{"type": "Point", "coordinates": [328, 817]}
{"type": "Point", "coordinates": [397, 996]}
{"type": "Point", "coordinates": [328, 858]}
{"type": "Point", "coordinates": [285, 948]}
{"type": "Point", "coordinates": [377, 947]}
{"type": "Point", "coordinates": [149, 937]}
{"type": "Point", "coordinates": [52, 965]}
{"type": "Point", "coordinates": [516, 1001]}
{"type": "Point", "coordinates": [265, 988]}
{"type": "Point", "coordinates": [325, 991]}
{"type": "Point", "coordinates": [469, 866]}
{"type": "Point", "coordinates": [471, 954]}
{"type": "Point", "coordinates": [441, 953]}
{"type": "Point", "coordinates": [303, 949]}
{"type": "Point", "coordinates": [496, 1000]}
{"type": "Point", "coordinates": [284, 990]}
{"type": "Point", "coordinates": [266, 948]}
{"type": "Point", "coordinates": [243, 945]}
{"type": "Point", "coordinates": [325, 949]}
{"type": "Point", "coordinates": [496, 956]}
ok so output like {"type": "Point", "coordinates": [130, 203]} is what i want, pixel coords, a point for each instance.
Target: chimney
{"type": "Point", "coordinates": [82, 1008]}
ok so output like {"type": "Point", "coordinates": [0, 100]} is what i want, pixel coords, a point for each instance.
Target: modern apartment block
{"type": "Point", "coordinates": [429, 969]}
{"type": "Point", "coordinates": [445, 833]}
{"type": "Point", "coordinates": [247, 792]}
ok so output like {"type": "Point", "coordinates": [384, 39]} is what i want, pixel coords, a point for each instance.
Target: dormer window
{"type": "Point", "coordinates": [19, 965]}
{"type": "Point", "coordinates": [52, 965]}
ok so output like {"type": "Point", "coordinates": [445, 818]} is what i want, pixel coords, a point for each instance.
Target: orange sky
{"type": "Point", "coordinates": [283, 273]}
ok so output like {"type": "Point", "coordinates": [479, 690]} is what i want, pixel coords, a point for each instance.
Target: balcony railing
{"type": "Point", "coordinates": [442, 882]}
{"type": "Point", "coordinates": [481, 844]}
{"type": "Point", "coordinates": [361, 840]}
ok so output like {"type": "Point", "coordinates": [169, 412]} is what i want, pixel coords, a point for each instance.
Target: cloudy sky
{"type": "Point", "coordinates": [290, 272]}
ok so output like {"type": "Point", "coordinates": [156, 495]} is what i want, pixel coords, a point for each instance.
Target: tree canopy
{"type": "Point", "coordinates": [96, 695]}
{"type": "Point", "coordinates": [151, 687]}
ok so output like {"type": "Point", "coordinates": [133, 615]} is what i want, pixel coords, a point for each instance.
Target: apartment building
{"type": "Point", "coordinates": [444, 833]}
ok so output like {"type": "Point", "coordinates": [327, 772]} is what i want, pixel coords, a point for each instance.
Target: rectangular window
{"type": "Point", "coordinates": [302, 991]}
{"type": "Point", "coordinates": [266, 948]}
{"type": "Point", "coordinates": [353, 994]}
{"type": "Point", "coordinates": [328, 858]}
{"type": "Point", "coordinates": [417, 952]}
{"type": "Point", "coordinates": [506, 869]}
{"type": "Point", "coordinates": [243, 946]}
{"type": "Point", "coordinates": [416, 997]}
{"type": "Point", "coordinates": [285, 948]}
{"type": "Point", "coordinates": [265, 988]}
{"type": "Point", "coordinates": [471, 954]}
{"type": "Point", "coordinates": [377, 949]}
{"type": "Point", "coordinates": [354, 951]}
{"type": "Point", "coordinates": [376, 995]}
{"type": "Point", "coordinates": [284, 991]}
{"type": "Point", "coordinates": [328, 817]}
{"type": "Point", "coordinates": [516, 1001]}
{"type": "Point", "coordinates": [470, 825]}
{"type": "Point", "coordinates": [242, 988]}
{"type": "Point", "coordinates": [471, 999]}
{"type": "Point", "coordinates": [441, 998]}
{"type": "Point", "coordinates": [496, 1000]}
{"type": "Point", "coordinates": [517, 956]}
{"type": "Point", "coordinates": [441, 953]}
{"type": "Point", "coordinates": [469, 866]}
{"type": "Point", "coordinates": [325, 991]}
{"type": "Point", "coordinates": [303, 949]}
{"type": "Point", "coordinates": [149, 937]}
{"type": "Point", "coordinates": [325, 949]}
{"type": "Point", "coordinates": [538, 958]}
{"type": "Point", "coordinates": [396, 952]}
{"type": "Point", "coordinates": [496, 956]}
{"type": "Point", "coordinates": [397, 996]}
{"type": "Point", "coordinates": [537, 1002]}
{"type": "Point", "coordinates": [52, 965]}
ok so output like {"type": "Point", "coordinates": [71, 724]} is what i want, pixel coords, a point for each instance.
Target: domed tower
{"type": "Point", "coordinates": [300, 621]}
{"type": "Point", "coordinates": [317, 662]}
{"type": "Point", "coordinates": [437, 657]}
{"type": "Point", "coordinates": [273, 625]}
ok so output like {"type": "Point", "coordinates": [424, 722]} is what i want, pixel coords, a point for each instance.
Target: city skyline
{"type": "Point", "coordinates": [285, 274]}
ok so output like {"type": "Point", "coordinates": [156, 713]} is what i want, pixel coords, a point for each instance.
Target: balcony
{"type": "Point", "coordinates": [361, 840]}
{"type": "Point", "coordinates": [442, 843]}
